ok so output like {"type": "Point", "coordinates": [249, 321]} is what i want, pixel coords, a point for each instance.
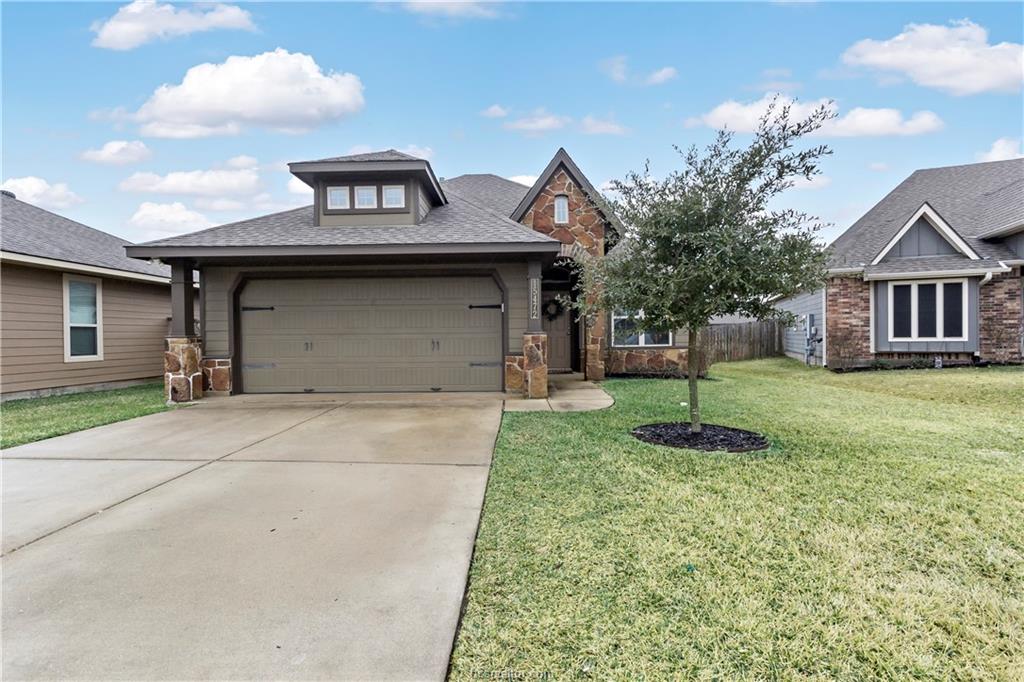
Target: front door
{"type": "Point", "coordinates": [559, 331]}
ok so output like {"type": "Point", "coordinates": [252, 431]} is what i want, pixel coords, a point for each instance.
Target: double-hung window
{"type": "Point", "coordinates": [626, 333]}
{"type": "Point", "coordinates": [83, 318]}
{"type": "Point", "coordinates": [928, 310]}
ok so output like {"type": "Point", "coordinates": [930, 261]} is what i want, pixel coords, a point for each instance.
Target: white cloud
{"type": "Point", "coordinates": [1002, 149]}
{"type": "Point", "coordinates": [878, 166]}
{"type": "Point", "coordinates": [166, 220]}
{"type": "Point", "coordinates": [38, 191]}
{"type": "Point", "coordinates": [118, 153]}
{"type": "Point", "coordinates": [539, 122]}
{"type": "Point", "coordinates": [527, 180]}
{"type": "Point", "coordinates": [296, 186]}
{"type": "Point", "coordinates": [208, 183]}
{"type": "Point", "coordinates": [142, 21]}
{"type": "Point", "coordinates": [615, 68]}
{"type": "Point", "coordinates": [957, 59]}
{"type": "Point", "coordinates": [242, 161]}
{"type": "Point", "coordinates": [280, 90]}
{"type": "Point", "coordinates": [858, 122]}
{"type": "Point", "coordinates": [816, 182]}
{"type": "Point", "coordinates": [221, 204]}
{"type": "Point", "coordinates": [592, 125]}
{"type": "Point", "coordinates": [494, 111]}
{"type": "Point", "coordinates": [662, 75]}
{"type": "Point", "coordinates": [454, 10]}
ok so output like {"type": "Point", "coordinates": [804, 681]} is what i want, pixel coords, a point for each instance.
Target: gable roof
{"type": "Point", "coordinates": [32, 231]}
{"type": "Point", "coordinates": [458, 226]}
{"type": "Point", "coordinates": [972, 199]}
{"type": "Point", "coordinates": [488, 189]}
{"type": "Point", "coordinates": [931, 216]}
{"type": "Point", "coordinates": [562, 159]}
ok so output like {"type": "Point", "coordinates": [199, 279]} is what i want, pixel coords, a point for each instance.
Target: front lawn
{"type": "Point", "coordinates": [24, 421]}
{"type": "Point", "coordinates": [880, 537]}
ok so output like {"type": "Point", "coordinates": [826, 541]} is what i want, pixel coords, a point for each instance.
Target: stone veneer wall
{"type": "Point", "coordinates": [535, 365]}
{"type": "Point", "coordinates": [647, 361]}
{"type": "Point", "coordinates": [847, 321]}
{"type": "Point", "coordinates": [585, 229]}
{"type": "Point", "coordinates": [1001, 317]}
{"type": "Point", "coordinates": [217, 375]}
{"type": "Point", "coordinates": [183, 376]}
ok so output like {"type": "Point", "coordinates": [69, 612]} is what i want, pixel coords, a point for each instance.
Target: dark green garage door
{"type": "Point", "coordinates": [371, 334]}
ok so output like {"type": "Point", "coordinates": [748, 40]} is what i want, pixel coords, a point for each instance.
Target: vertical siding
{"type": "Point", "coordinates": [32, 331]}
{"type": "Point", "coordinates": [884, 345]}
{"type": "Point", "coordinates": [218, 281]}
{"type": "Point", "coordinates": [794, 338]}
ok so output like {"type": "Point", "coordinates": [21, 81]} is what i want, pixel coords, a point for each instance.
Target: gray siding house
{"type": "Point", "coordinates": [933, 272]}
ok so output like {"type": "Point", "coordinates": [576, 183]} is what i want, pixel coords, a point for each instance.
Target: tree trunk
{"type": "Point", "coordinates": [693, 368]}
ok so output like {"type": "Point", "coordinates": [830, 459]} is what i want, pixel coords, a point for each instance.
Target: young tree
{"type": "Point", "coordinates": [707, 240]}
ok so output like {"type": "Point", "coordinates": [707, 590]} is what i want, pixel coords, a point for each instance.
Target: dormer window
{"type": "Point", "coordinates": [561, 209]}
{"type": "Point", "coordinates": [394, 196]}
{"type": "Point", "coordinates": [366, 197]}
{"type": "Point", "coordinates": [338, 198]}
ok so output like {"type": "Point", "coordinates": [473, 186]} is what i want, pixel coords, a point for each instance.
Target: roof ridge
{"type": "Point", "coordinates": [968, 165]}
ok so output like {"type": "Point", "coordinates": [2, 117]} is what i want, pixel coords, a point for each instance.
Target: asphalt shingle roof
{"type": "Point", "coordinates": [460, 221]}
{"type": "Point", "coordinates": [32, 231]}
{"type": "Point", "coordinates": [928, 264]}
{"type": "Point", "coordinates": [973, 199]}
{"type": "Point", "coordinates": [496, 192]}
{"type": "Point", "coordinates": [384, 155]}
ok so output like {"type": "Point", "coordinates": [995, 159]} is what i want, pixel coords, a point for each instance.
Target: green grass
{"type": "Point", "coordinates": [24, 421]}
{"type": "Point", "coordinates": [880, 537]}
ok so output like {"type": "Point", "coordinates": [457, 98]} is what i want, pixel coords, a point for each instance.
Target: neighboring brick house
{"type": "Point", "coordinates": [931, 271]}
{"type": "Point", "coordinates": [396, 281]}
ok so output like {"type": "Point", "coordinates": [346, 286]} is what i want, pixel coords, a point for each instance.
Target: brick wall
{"type": "Point", "coordinates": [1001, 318]}
{"type": "Point", "coordinates": [848, 321]}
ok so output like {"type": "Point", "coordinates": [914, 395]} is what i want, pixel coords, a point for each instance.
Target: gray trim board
{"type": "Point", "coordinates": [143, 251]}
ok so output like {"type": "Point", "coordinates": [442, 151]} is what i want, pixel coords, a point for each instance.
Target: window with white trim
{"type": "Point", "coordinates": [338, 198]}
{"type": "Point", "coordinates": [562, 209]}
{"type": "Point", "coordinates": [83, 318]}
{"type": "Point", "coordinates": [625, 332]}
{"type": "Point", "coordinates": [928, 310]}
{"type": "Point", "coordinates": [394, 196]}
{"type": "Point", "coordinates": [366, 197]}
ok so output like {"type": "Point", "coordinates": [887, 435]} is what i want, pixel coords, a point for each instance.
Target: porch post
{"type": "Point", "coordinates": [535, 341]}
{"type": "Point", "coordinates": [183, 374]}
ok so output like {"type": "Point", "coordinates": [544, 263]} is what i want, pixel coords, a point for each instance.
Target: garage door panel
{"type": "Point", "coordinates": [364, 334]}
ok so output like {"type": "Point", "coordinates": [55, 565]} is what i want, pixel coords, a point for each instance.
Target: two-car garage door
{"type": "Point", "coordinates": [371, 334]}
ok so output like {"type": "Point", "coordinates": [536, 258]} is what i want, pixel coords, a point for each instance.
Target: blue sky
{"type": "Point", "coordinates": [100, 122]}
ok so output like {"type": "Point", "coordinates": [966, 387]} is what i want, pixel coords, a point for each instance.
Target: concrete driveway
{"type": "Point", "coordinates": [246, 539]}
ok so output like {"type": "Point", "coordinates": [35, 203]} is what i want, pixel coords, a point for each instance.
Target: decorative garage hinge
{"type": "Point", "coordinates": [248, 308]}
{"type": "Point", "coordinates": [485, 364]}
{"type": "Point", "coordinates": [268, 365]}
{"type": "Point", "coordinates": [493, 306]}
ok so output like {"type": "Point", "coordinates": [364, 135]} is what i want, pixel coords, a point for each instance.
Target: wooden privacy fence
{"type": "Point", "coordinates": [741, 341]}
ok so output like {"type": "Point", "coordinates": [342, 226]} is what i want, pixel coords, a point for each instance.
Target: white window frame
{"type": "Point", "coordinates": [641, 341]}
{"type": "Point", "coordinates": [561, 198]}
{"type": "Point", "coordinates": [370, 187]}
{"type": "Point", "coordinates": [939, 309]}
{"type": "Point", "coordinates": [348, 198]}
{"type": "Point", "coordinates": [68, 357]}
{"type": "Point", "coordinates": [384, 196]}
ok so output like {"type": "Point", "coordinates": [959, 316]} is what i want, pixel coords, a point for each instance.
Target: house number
{"type": "Point", "coordinates": [534, 299]}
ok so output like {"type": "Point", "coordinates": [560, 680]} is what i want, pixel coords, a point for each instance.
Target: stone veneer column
{"type": "Point", "coordinates": [535, 365]}
{"type": "Point", "coordinates": [183, 375]}
{"type": "Point", "coordinates": [216, 376]}
{"type": "Point", "coordinates": [595, 348]}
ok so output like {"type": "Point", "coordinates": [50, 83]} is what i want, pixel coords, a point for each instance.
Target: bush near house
{"type": "Point", "coordinates": [878, 538]}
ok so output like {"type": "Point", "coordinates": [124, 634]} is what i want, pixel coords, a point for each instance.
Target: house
{"type": "Point", "coordinates": [75, 312]}
{"type": "Point", "coordinates": [394, 280]}
{"type": "Point", "coordinates": [931, 272]}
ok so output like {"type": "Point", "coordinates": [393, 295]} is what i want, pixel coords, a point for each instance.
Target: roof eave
{"type": "Point", "coordinates": [929, 274]}
{"type": "Point", "coordinates": [172, 251]}
{"type": "Point", "coordinates": [83, 268]}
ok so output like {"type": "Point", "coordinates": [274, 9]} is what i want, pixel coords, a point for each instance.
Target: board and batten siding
{"type": "Point", "coordinates": [135, 325]}
{"type": "Point", "coordinates": [881, 325]}
{"type": "Point", "coordinates": [794, 337]}
{"type": "Point", "coordinates": [218, 280]}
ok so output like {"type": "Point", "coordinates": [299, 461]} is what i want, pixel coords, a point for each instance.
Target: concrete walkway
{"type": "Point", "coordinates": [316, 538]}
{"type": "Point", "coordinates": [567, 393]}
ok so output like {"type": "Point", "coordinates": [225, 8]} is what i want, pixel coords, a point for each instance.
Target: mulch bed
{"type": "Point", "coordinates": [712, 437]}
